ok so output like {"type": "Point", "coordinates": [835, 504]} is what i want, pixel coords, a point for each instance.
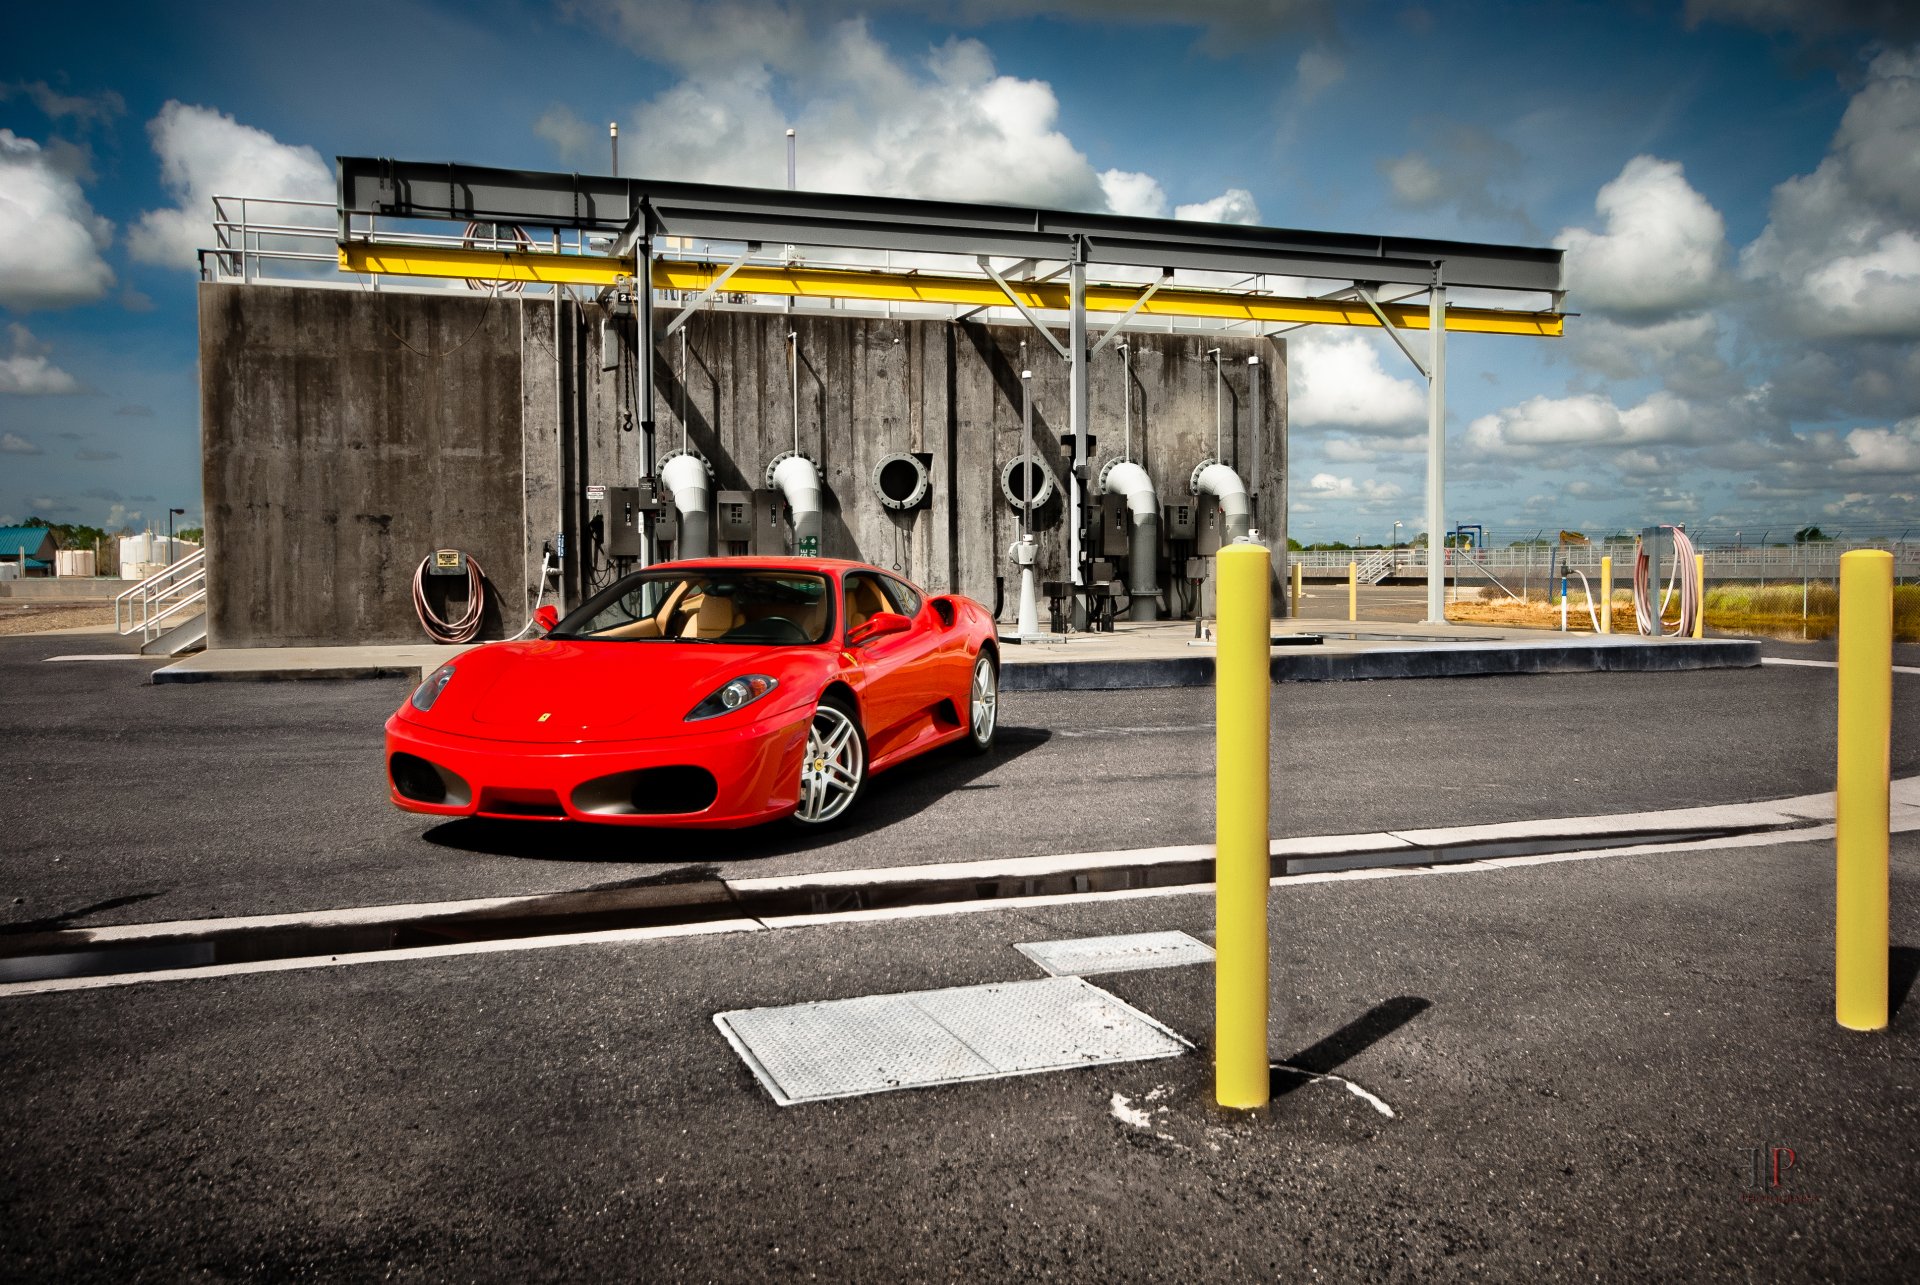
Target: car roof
{"type": "Point", "coordinates": [839, 566]}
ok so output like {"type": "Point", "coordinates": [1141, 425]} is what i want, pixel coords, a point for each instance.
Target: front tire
{"type": "Point", "coordinates": [983, 704]}
{"type": "Point", "coordinates": [834, 772]}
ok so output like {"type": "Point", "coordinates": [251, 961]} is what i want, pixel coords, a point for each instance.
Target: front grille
{"type": "Point", "coordinates": [661, 791]}
{"type": "Point", "coordinates": [417, 779]}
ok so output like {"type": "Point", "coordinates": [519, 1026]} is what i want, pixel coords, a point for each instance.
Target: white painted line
{"type": "Point", "coordinates": [50, 985]}
{"type": "Point", "coordinates": [112, 656]}
{"type": "Point", "coordinates": [703, 893]}
{"type": "Point", "coordinates": [1315, 1077]}
{"type": "Point", "coordinates": [1722, 816]}
{"type": "Point", "coordinates": [1828, 664]}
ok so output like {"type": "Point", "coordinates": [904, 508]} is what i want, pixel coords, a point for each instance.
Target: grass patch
{"type": "Point", "coordinates": [1772, 611]}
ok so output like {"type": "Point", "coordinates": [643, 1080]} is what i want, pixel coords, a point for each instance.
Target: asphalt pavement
{"type": "Point", "coordinates": [129, 803]}
{"type": "Point", "coordinates": [1582, 1061]}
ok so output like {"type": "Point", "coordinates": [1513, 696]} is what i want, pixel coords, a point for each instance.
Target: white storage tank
{"type": "Point", "coordinates": [74, 562]}
{"type": "Point", "coordinates": [136, 551]}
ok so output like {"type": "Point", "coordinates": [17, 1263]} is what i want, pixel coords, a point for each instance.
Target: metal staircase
{"type": "Point", "coordinates": [1376, 566]}
{"type": "Point", "coordinates": [167, 609]}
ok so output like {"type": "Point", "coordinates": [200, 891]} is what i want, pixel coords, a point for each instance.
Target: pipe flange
{"type": "Point", "coordinates": [674, 454]}
{"type": "Point", "coordinates": [901, 481]}
{"type": "Point", "coordinates": [1008, 485]}
{"type": "Point", "coordinates": [1193, 483]}
{"type": "Point", "coordinates": [1100, 481]}
{"type": "Point", "coordinates": [774, 463]}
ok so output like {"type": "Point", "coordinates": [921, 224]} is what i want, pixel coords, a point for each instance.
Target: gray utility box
{"type": "Point", "coordinates": [733, 516]}
{"type": "Point", "coordinates": [769, 532]}
{"type": "Point", "coordinates": [620, 521]}
{"type": "Point", "coordinates": [1111, 535]}
{"type": "Point", "coordinates": [1212, 526]}
{"type": "Point", "coordinates": [1176, 520]}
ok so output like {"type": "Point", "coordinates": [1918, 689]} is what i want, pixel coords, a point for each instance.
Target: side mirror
{"type": "Point", "coordinates": [878, 625]}
{"type": "Point", "coordinates": [547, 617]}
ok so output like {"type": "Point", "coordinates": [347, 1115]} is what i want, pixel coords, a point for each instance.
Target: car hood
{"type": "Point", "coordinates": [564, 690]}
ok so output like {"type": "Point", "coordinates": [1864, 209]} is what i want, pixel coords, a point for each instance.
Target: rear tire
{"type": "Point", "coordinates": [983, 704]}
{"type": "Point", "coordinates": [834, 773]}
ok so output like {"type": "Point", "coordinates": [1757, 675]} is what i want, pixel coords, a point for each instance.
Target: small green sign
{"type": "Point", "coordinates": [809, 546]}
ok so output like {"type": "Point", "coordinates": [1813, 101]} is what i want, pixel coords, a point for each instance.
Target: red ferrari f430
{"type": "Point", "coordinates": [706, 694]}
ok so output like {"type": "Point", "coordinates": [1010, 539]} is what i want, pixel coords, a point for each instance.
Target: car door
{"type": "Point", "coordinates": [896, 668]}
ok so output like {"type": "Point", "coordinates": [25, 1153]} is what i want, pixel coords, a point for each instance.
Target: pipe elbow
{"type": "Point", "coordinates": [1129, 480]}
{"type": "Point", "coordinates": [1224, 485]}
{"type": "Point", "coordinates": [798, 481]}
{"type": "Point", "coordinates": [687, 477]}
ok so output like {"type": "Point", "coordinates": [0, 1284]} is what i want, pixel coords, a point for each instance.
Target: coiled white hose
{"type": "Point", "coordinates": [1644, 610]}
{"type": "Point", "coordinates": [467, 627]}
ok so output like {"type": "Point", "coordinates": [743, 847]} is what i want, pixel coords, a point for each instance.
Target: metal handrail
{"type": "Point", "coordinates": [165, 593]}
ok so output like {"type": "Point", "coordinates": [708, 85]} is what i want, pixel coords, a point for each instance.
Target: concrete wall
{"type": "Point", "coordinates": [346, 434]}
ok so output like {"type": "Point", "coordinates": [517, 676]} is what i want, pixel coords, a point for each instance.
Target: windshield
{"type": "Point", "coordinates": [707, 605]}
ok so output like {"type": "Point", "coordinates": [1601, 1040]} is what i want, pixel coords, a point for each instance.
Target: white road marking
{"type": "Point", "coordinates": [134, 655]}
{"type": "Point", "coordinates": [1828, 664]}
{"type": "Point", "coordinates": [52, 984]}
{"type": "Point", "coordinates": [1343, 1081]}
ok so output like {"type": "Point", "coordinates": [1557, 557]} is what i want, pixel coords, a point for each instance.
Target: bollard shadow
{"type": "Point", "coordinates": [65, 919]}
{"type": "Point", "coordinates": [1335, 1050]}
{"type": "Point", "coordinates": [1903, 968]}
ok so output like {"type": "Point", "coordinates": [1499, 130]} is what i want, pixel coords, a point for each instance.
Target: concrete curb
{"type": "Point", "coordinates": [290, 674]}
{"type": "Point", "coordinates": [1440, 661]}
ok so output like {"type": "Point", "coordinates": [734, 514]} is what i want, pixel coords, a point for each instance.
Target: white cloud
{"type": "Point", "coordinates": [14, 444]}
{"type": "Point", "coordinates": [50, 238]}
{"type": "Point", "coordinates": [1134, 195]}
{"type": "Point", "coordinates": [1329, 486]}
{"type": "Point", "coordinates": [1542, 426]}
{"type": "Point", "coordinates": [26, 371]}
{"type": "Point", "coordinates": [1883, 451]}
{"type": "Point", "coordinates": [1840, 251]}
{"type": "Point", "coordinates": [1318, 70]}
{"type": "Point", "coordinates": [205, 153]}
{"type": "Point", "coordinates": [1661, 251]}
{"type": "Point", "coordinates": [571, 137]}
{"type": "Point", "coordinates": [83, 109]}
{"type": "Point", "coordinates": [1235, 205]}
{"type": "Point", "coordinates": [1459, 170]}
{"type": "Point", "coordinates": [1336, 379]}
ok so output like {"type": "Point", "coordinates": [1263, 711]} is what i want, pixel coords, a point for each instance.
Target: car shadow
{"type": "Point", "coordinates": [895, 795]}
{"type": "Point", "coordinates": [65, 919]}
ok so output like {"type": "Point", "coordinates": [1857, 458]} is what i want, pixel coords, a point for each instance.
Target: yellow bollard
{"type": "Point", "coordinates": [1700, 583]}
{"type": "Point", "coordinates": [1353, 590]}
{"type": "Point", "coordinates": [1606, 595]}
{"type": "Point", "coordinates": [1860, 790]}
{"type": "Point", "coordinates": [1295, 600]}
{"type": "Point", "coordinates": [1243, 697]}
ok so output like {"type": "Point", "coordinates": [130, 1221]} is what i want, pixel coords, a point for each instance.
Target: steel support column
{"type": "Point", "coordinates": [1437, 455]}
{"type": "Point", "coordinates": [1077, 420]}
{"type": "Point", "coordinates": [643, 364]}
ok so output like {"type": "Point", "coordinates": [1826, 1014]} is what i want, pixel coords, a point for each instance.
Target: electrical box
{"type": "Point", "coordinates": [1211, 526]}
{"type": "Point", "coordinates": [1176, 521]}
{"type": "Point", "coordinates": [666, 523]}
{"type": "Point", "coordinates": [1110, 535]}
{"type": "Point", "coordinates": [620, 535]}
{"type": "Point", "coordinates": [733, 516]}
{"type": "Point", "coordinates": [769, 532]}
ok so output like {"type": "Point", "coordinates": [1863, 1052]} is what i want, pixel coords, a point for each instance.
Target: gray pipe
{"type": "Point", "coordinates": [1143, 538]}
{"type": "Point", "coordinates": [799, 481]}
{"type": "Point", "coordinates": [686, 475]}
{"type": "Point", "coordinates": [1224, 484]}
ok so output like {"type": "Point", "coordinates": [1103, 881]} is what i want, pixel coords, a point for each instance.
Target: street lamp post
{"type": "Point", "coordinates": [171, 513]}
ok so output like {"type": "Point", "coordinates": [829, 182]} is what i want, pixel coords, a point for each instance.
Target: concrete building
{"type": "Point", "coordinates": [347, 434]}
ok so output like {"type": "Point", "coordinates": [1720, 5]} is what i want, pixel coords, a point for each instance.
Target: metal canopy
{"type": "Point", "coordinates": [637, 210]}
{"type": "Point", "coordinates": [428, 190]}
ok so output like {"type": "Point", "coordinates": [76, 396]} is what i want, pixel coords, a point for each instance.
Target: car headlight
{"type": "Point", "coordinates": [734, 695]}
{"type": "Point", "coordinates": [428, 692]}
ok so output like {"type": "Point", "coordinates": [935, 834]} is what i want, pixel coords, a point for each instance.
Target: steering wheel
{"type": "Point", "coordinates": [773, 629]}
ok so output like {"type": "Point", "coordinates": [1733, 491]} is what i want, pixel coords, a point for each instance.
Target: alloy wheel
{"type": "Point", "coordinates": [835, 767]}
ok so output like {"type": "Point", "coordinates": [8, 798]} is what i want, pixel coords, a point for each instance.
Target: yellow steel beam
{"type": "Point", "coordinates": [539, 266]}
{"type": "Point", "coordinates": [908, 287]}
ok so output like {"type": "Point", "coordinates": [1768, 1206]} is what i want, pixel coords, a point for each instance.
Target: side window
{"type": "Point", "coordinates": [906, 600]}
{"type": "Point", "coordinates": [865, 597]}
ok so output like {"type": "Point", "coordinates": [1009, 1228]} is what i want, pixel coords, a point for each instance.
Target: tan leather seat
{"type": "Point", "coordinates": [864, 599]}
{"type": "Point", "coordinates": [716, 616]}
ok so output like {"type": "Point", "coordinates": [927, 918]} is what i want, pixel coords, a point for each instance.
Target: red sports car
{"type": "Point", "coordinates": [713, 694]}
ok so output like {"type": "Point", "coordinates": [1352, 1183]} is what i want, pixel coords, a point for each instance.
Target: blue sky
{"type": "Point", "coordinates": [1737, 183]}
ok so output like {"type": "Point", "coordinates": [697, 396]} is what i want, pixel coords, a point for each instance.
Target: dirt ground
{"type": "Point", "coordinates": [37, 617]}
